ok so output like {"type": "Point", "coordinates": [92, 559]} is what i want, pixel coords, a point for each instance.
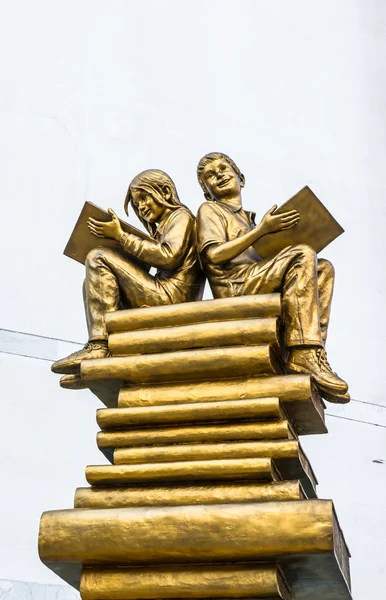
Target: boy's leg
{"type": "Point", "coordinates": [326, 278]}
{"type": "Point", "coordinates": [293, 272]}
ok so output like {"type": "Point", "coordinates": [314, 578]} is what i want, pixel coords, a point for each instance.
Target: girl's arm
{"type": "Point", "coordinates": [167, 253]}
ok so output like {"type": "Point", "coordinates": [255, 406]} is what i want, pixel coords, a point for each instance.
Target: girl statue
{"type": "Point", "coordinates": [120, 278]}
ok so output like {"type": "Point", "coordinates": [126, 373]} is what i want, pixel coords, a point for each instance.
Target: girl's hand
{"type": "Point", "coordinates": [272, 223]}
{"type": "Point", "coordinates": [106, 229]}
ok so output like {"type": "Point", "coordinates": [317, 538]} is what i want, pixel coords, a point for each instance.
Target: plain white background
{"type": "Point", "coordinates": [92, 92]}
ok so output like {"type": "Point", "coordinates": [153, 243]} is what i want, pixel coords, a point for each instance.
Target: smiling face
{"type": "Point", "coordinates": [221, 181]}
{"type": "Point", "coordinates": [148, 208]}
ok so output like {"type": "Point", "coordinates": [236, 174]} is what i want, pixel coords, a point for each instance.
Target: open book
{"type": "Point", "coordinates": [82, 240]}
{"type": "Point", "coordinates": [317, 227]}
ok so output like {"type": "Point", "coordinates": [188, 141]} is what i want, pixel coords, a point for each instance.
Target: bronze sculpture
{"type": "Point", "coordinates": [226, 234]}
{"type": "Point", "coordinates": [114, 280]}
{"type": "Point", "coordinates": [209, 493]}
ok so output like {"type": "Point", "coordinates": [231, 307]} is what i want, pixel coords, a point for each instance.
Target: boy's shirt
{"type": "Point", "coordinates": [219, 222]}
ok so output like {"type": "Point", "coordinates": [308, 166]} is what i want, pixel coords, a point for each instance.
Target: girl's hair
{"type": "Point", "coordinates": [208, 158]}
{"type": "Point", "coordinates": [153, 182]}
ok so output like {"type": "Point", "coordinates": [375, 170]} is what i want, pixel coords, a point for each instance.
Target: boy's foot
{"type": "Point", "coordinates": [313, 361]}
{"type": "Point", "coordinates": [336, 398]}
{"type": "Point", "coordinates": [73, 382]}
{"type": "Point", "coordinates": [71, 364]}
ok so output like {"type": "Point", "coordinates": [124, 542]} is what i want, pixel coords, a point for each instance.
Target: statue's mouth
{"type": "Point", "coordinates": [223, 182]}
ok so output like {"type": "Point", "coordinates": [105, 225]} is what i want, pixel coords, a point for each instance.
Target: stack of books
{"type": "Point", "coordinates": [209, 493]}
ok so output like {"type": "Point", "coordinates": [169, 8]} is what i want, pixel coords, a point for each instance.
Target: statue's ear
{"type": "Point", "coordinates": [242, 180]}
{"type": "Point", "coordinates": [167, 192]}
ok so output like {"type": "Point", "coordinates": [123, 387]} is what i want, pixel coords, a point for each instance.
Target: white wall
{"type": "Point", "coordinates": [94, 91]}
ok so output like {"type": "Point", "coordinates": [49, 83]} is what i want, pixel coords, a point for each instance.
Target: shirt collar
{"type": "Point", "coordinates": [233, 206]}
{"type": "Point", "coordinates": [162, 225]}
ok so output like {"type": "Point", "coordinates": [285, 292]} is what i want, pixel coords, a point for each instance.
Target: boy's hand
{"type": "Point", "coordinates": [272, 223]}
{"type": "Point", "coordinates": [106, 229]}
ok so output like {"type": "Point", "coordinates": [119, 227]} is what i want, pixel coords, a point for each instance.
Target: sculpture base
{"type": "Point", "coordinates": [209, 494]}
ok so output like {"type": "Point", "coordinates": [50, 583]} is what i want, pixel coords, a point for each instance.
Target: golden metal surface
{"type": "Point", "coordinates": [186, 534]}
{"type": "Point", "coordinates": [249, 307]}
{"type": "Point", "coordinates": [82, 240]}
{"type": "Point", "coordinates": [227, 237]}
{"type": "Point", "coordinates": [297, 394]}
{"type": "Point", "coordinates": [245, 332]}
{"type": "Point", "coordinates": [201, 581]}
{"type": "Point", "coordinates": [118, 261]}
{"type": "Point", "coordinates": [287, 454]}
{"type": "Point", "coordinates": [277, 449]}
{"type": "Point", "coordinates": [175, 495]}
{"type": "Point", "coordinates": [199, 433]}
{"type": "Point", "coordinates": [206, 425]}
{"type": "Point", "coordinates": [213, 470]}
{"type": "Point", "coordinates": [316, 227]}
{"type": "Point", "coordinates": [204, 364]}
{"type": "Point", "coordinates": [306, 540]}
{"type": "Point", "coordinates": [119, 418]}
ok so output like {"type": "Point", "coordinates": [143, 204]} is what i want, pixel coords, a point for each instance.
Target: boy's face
{"type": "Point", "coordinates": [221, 180]}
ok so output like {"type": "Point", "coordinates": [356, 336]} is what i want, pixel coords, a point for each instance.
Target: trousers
{"type": "Point", "coordinates": [114, 281]}
{"type": "Point", "coordinates": [306, 285]}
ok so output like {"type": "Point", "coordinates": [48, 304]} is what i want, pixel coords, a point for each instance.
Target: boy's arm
{"type": "Point", "coordinates": [270, 223]}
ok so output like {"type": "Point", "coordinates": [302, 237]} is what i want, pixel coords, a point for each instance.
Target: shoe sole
{"type": "Point", "coordinates": [72, 382]}
{"type": "Point", "coordinates": [291, 368]}
{"type": "Point", "coordinates": [336, 398]}
{"type": "Point", "coordinates": [69, 370]}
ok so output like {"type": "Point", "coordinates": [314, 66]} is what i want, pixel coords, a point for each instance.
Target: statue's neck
{"type": "Point", "coordinates": [164, 216]}
{"type": "Point", "coordinates": [234, 201]}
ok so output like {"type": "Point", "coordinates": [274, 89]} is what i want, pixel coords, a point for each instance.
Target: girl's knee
{"type": "Point", "coordinates": [326, 267]}
{"type": "Point", "coordinates": [94, 256]}
{"type": "Point", "coordinates": [305, 251]}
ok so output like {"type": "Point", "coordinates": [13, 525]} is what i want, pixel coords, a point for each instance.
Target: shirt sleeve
{"type": "Point", "coordinates": [211, 226]}
{"type": "Point", "coordinates": [169, 251]}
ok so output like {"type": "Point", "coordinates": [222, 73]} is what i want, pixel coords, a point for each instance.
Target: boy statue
{"type": "Point", "coordinates": [226, 234]}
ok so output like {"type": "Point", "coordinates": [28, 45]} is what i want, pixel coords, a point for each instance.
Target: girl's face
{"type": "Point", "coordinates": [148, 208]}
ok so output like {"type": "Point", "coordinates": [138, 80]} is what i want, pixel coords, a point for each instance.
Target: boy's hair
{"type": "Point", "coordinates": [208, 158]}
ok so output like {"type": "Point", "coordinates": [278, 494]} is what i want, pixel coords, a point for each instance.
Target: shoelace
{"type": "Point", "coordinates": [322, 359]}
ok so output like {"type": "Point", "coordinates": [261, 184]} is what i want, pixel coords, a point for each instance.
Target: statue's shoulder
{"type": "Point", "coordinates": [181, 214]}
{"type": "Point", "coordinates": [208, 209]}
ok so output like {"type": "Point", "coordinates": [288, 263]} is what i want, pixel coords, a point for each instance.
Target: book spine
{"type": "Point", "coordinates": [175, 495]}
{"type": "Point", "coordinates": [245, 332]}
{"type": "Point", "coordinates": [257, 306]}
{"type": "Point", "coordinates": [173, 435]}
{"type": "Point", "coordinates": [262, 408]}
{"type": "Point", "coordinates": [230, 532]}
{"type": "Point", "coordinates": [214, 581]}
{"type": "Point", "coordinates": [200, 364]}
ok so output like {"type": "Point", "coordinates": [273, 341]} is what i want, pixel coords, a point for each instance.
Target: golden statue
{"type": "Point", "coordinates": [226, 235]}
{"type": "Point", "coordinates": [116, 279]}
{"type": "Point", "coordinates": [209, 493]}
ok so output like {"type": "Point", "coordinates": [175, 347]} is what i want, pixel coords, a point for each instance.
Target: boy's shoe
{"type": "Point", "coordinates": [313, 361]}
{"type": "Point", "coordinates": [71, 364]}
